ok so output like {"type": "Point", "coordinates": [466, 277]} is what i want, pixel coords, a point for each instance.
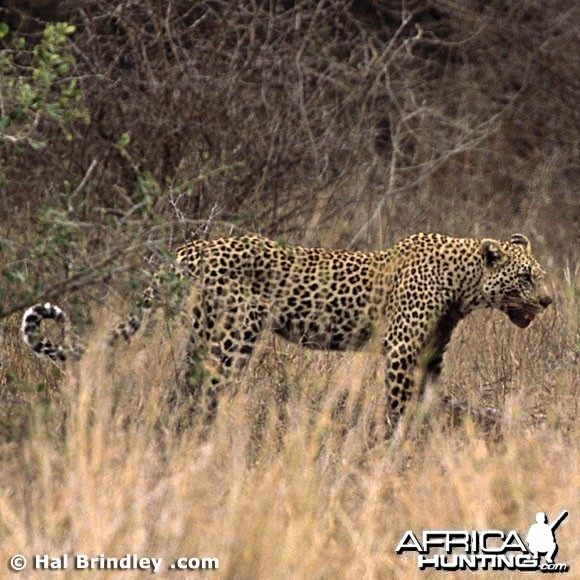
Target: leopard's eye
{"type": "Point", "coordinates": [526, 277]}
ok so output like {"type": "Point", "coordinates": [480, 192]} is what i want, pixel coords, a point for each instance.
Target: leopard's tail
{"type": "Point", "coordinates": [72, 347]}
{"type": "Point", "coordinates": [137, 318]}
{"type": "Point", "coordinates": [129, 328]}
{"type": "Point", "coordinates": [44, 347]}
{"type": "Point", "coordinates": [30, 328]}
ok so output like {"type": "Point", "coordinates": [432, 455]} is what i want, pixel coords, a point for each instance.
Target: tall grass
{"type": "Point", "coordinates": [290, 488]}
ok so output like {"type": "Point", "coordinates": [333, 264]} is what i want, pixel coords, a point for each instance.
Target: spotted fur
{"type": "Point", "coordinates": [408, 298]}
{"type": "Point", "coordinates": [30, 329]}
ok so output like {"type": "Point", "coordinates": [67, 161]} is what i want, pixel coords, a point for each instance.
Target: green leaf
{"type": "Point", "coordinates": [4, 29]}
{"type": "Point", "coordinates": [36, 145]}
{"type": "Point", "coordinates": [124, 140]}
{"type": "Point", "coordinates": [63, 68]}
{"type": "Point", "coordinates": [54, 110]}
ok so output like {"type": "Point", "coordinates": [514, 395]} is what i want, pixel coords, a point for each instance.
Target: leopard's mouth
{"type": "Point", "coordinates": [521, 317]}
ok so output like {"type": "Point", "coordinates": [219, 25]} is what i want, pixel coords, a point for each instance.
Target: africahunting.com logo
{"type": "Point", "coordinates": [487, 549]}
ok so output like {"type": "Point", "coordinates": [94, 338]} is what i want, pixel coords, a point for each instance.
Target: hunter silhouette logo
{"type": "Point", "coordinates": [541, 538]}
{"type": "Point", "coordinates": [487, 549]}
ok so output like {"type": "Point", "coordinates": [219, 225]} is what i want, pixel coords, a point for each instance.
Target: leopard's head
{"type": "Point", "coordinates": [513, 281]}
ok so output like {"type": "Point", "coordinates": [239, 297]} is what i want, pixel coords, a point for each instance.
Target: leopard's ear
{"type": "Point", "coordinates": [521, 240]}
{"type": "Point", "coordinates": [491, 252]}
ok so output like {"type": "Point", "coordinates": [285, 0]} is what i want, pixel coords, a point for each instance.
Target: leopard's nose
{"type": "Point", "coordinates": [545, 301]}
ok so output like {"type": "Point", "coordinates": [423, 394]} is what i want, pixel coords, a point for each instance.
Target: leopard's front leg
{"type": "Point", "coordinates": [414, 348]}
{"type": "Point", "coordinates": [403, 380]}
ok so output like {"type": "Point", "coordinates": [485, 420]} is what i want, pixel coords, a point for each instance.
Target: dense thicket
{"type": "Point", "coordinates": [288, 116]}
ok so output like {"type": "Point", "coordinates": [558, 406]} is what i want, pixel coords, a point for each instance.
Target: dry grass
{"type": "Point", "coordinates": [103, 468]}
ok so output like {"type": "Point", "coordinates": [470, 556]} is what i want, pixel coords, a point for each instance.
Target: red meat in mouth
{"type": "Point", "coordinates": [521, 317]}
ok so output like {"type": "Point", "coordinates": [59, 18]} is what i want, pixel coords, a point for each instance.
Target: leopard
{"type": "Point", "coordinates": [407, 299]}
